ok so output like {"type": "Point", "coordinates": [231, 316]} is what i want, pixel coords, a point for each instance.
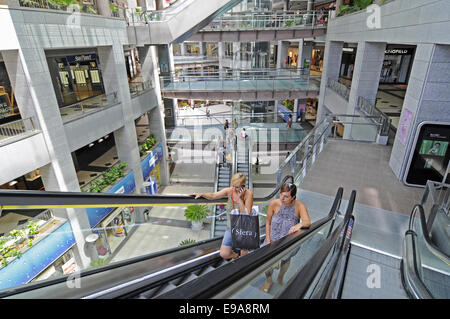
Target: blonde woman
{"type": "Point", "coordinates": [238, 198]}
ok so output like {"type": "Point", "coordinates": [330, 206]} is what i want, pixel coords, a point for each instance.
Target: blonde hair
{"type": "Point", "coordinates": [238, 179]}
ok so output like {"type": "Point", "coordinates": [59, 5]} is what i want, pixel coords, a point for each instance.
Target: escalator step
{"type": "Point", "coordinates": [187, 278]}
{"type": "Point", "coordinates": [206, 270]}
{"type": "Point", "coordinates": [148, 294]}
{"type": "Point", "coordinates": [164, 289]}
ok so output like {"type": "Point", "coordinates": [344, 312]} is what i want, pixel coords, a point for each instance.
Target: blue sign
{"type": "Point", "coordinates": [284, 111]}
{"type": "Point", "coordinates": [125, 186]}
{"type": "Point", "coordinates": [21, 270]}
{"type": "Point", "coordinates": [150, 161]}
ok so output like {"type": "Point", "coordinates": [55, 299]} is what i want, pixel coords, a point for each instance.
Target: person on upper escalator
{"type": "Point", "coordinates": [240, 198]}
{"type": "Point", "coordinates": [285, 216]}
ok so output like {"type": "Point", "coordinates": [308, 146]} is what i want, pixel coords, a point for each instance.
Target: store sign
{"type": "Point", "coordinates": [70, 266]}
{"type": "Point", "coordinates": [81, 58]}
{"type": "Point", "coordinates": [398, 51]}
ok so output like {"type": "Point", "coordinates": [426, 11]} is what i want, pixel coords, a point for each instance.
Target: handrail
{"type": "Point", "coordinates": [411, 265]}
{"type": "Point", "coordinates": [216, 186]}
{"type": "Point", "coordinates": [212, 283]}
{"type": "Point", "coordinates": [301, 285]}
{"type": "Point", "coordinates": [426, 235]}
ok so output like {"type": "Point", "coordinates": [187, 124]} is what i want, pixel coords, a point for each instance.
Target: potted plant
{"type": "Point", "coordinates": [195, 214]}
{"type": "Point", "coordinates": [187, 242]}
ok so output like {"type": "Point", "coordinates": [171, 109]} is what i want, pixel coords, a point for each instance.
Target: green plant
{"type": "Point", "coordinates": [32, 228]}
{"type": "Point", "coordinates": [113, 7]}
{"type": "Point", "coordinates": [16, 233]}
{"type": "Point", "coordinates": [187, 242]}
{"type": "Point", "coordinates": [148, 144]}
{"type": "Point", "coordinates": [289, 23]}
{"type": "Point", "coordinates": [100, 262]}
{"type": "Point", "coordinates": [362, 4]}
{"type": "Point", "coordinates": [196, 213]}
{"type": "Point", "coordinates": [108, 178]}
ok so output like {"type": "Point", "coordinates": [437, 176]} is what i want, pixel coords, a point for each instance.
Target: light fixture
{"type": "Point", "coordinates": [100, 140]}
{"type": "Point", "coordinates": [106, 136]}
{"type": "Point", "coordinates": [92, 144]}
{"type": "Point", "coordinates": [12, 183]}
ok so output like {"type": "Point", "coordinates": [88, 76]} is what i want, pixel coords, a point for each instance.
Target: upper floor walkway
{"type": "Point", "coordinates": [245, 85]}
{"type": "Point", "coordinates": [263, 26]}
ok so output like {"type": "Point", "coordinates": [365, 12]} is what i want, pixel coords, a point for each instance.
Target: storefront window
{"type": "Point", "coordinates": [77, 78]}
{"type": "Point", "coordinates": [396, 65]}
{"type": "Point", "coordinates": [292, 58]}
{"type": "Point", "coordinates": [8, 105]}
{"type": "Point", "coordinates": [317, 60]}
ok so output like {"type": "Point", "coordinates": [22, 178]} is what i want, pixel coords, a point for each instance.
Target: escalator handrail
{"type": "Point", "coordinates": [300, 285]}
{"type": "Point", "coordinates": [16, 199]}
{"type": "Point", "coordinates": [212, 283]}
{"type": "Point", "coordinates": [426, 235]}
{"type": "Point", "coordinates": [411, 265]}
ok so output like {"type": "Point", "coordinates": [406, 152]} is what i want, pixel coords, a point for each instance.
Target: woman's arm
{"type": "Point", "coordinates": [220, 194]}
{"type": "Point", "coordinates": [302, 212]}
{"type": "Point", "coordinates": [269, 221]}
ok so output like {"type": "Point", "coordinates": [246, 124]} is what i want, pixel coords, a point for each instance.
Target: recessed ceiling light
{"type": "Point", "coordinates": [100, 140]}
{"type": "Point", "coordinates": [92, 144]}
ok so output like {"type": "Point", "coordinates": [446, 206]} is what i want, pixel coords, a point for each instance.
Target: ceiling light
{"type": "Point", "coordinates": [100, 140]}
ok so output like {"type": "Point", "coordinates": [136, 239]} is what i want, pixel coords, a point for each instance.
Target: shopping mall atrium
{"type": "Point", "coordinates": [114, 114]}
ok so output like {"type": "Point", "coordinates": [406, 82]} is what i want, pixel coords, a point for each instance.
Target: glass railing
{"type": "Point", "coordinates": [87, 106]}
{"type": "Point", "coordinates": [251, 80]}
{"type": "Point", "coordinates": [339, 88]}
{"type": "Point", "coordinates": [268, 20]}
{"type": "Point", "coordinates": [68, 6]}
{"type": "Point", "coordinates": [145, 17]}
{"type": "Point", "coordinates": [276, 275]}
{"type": "Point", "coordinates": [15, 128]}
{"type": "Point", "coordinates": [138, 88]}
{"type": "Point", "coordinates": [370, 109]}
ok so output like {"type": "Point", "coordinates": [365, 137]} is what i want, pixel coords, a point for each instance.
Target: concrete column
{"type": "Point", "coordinates": [166, 65]}
{"type": "Point", "coordinates": [294, 117]}
{"type": "Point", "coordinates": [103, 8]}
{"type": "Point", "coordinates": [331, 67]}
{"type": "Point", "coordinates": [115, 80]}
{"type": "Point", "coordinates": [157, 124]}
{"type": "Point", "coordinates": [427, 99]}
{"type": "Point", "coordinates": [275, 111]}
{"type": "Point", "coordinates": [366, 73]}
{"type": "Point", "coordinates": [30, 78]}
{"type": "Point", "coordinates": [221, 51]}
{"type": "Point", "coordinates": [339, 3]}
{"type": "Point", "coordinates": [283, 48]}
{"type": "Point", "coordinates": [237, 55]}
{"type": "Point", "coordinates": [305, 54]}
{"type": "Point", "coordinates": [365, 81]}
{"type": "Point", "coordinates": [183, 48]}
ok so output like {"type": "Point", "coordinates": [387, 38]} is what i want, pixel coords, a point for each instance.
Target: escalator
{"type": "Point", "coordinates": [144, 276]}
{"type": "Point", "coordinates": [176, 23]}
{"type": "Point", "coordinates": [222, 180]}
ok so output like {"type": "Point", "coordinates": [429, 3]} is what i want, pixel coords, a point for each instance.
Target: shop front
{"type": "Point", "coordinates": [75, 77]}
{"type": "Point", "coordinates": [348, 62]}
{"type": "Point", "coordinates": [292, 58]}
{"type": "Point", "coordinates": [131, 64]}
{"type": "Point", "coordinates": [396, 65]}
{"type": "Point", "coordinates": [317, 60]}
{"type": "Point", "coordinates": [8, 106]}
